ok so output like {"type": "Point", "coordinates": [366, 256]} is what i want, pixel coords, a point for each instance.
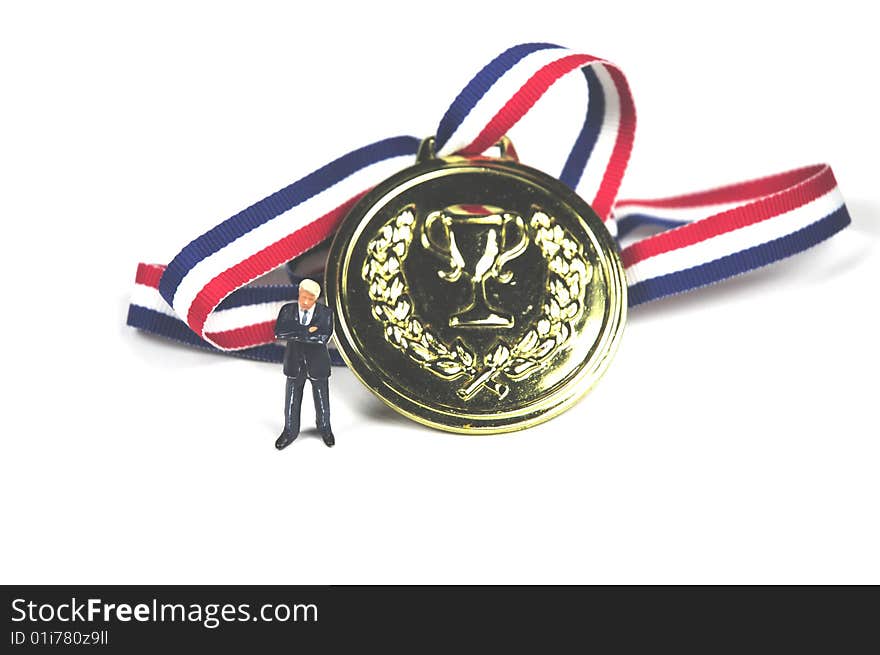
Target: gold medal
{"type": "Point", "coordinates": [476, 295]}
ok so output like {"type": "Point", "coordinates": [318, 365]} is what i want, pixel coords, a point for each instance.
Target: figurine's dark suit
{"type": "Point", "coordinates": [306, 356]}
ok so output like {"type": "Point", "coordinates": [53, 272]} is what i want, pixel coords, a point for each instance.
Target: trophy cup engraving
{"type": "Point", "coordinates": [476, 241]}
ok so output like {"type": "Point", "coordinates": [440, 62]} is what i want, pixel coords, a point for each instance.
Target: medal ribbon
{"type": "Point", "coordinates": [204, 296]}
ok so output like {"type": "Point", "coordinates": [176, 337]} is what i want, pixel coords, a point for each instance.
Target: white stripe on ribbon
{"type": "Point", "coordinates": [686, 214]}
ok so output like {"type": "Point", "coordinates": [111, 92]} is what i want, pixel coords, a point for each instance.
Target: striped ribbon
{"type": "Point", "coordinates": [205, 296]}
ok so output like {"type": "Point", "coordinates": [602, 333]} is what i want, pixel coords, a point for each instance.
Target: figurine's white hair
{"type": "Point", "coordinates": [311, 287]}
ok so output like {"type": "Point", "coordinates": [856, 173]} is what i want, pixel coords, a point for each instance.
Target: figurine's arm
{"type": "Point", "coordinates": [320, 332]}
{"type": "Point", "coordinates": [287, 327]}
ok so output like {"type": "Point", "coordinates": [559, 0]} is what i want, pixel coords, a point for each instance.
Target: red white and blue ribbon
{"type": "Point", "coordinates": [206, 295]}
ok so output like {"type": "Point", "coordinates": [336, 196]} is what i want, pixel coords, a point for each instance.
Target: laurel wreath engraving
{"type": "Point", "coordinates": [569, 274]}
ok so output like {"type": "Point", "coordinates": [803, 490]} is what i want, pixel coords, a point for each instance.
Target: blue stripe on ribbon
{"type": "Point", "coordinates": [586, 140]}
{"type": "Point", "coordinates": [278, 203]}
{"type": "Point", "coordinates": [628, 223]}
{"type": "Point", "coordinates": [166, 326]}
{"type": "Point", "coordinates": [739, 262]}
{"type": "Point", "coordinates": [475, 89]}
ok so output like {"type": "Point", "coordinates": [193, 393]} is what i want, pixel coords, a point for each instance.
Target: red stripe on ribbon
{"type": "Point", "coordinates": [149, 274]}
{"type": "Point", "coordinates": [763, 208]}
{"type": "Point", "coordinates": [264, 261]}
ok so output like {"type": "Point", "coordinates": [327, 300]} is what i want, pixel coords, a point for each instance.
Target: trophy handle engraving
{"type": "Point", "coordinates": [448, 252]}
{"type": "Point", "coordinates": [511, 253]}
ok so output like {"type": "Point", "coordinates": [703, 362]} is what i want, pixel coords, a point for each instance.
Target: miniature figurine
{"type": "Point", "coordinates": [306, 326]}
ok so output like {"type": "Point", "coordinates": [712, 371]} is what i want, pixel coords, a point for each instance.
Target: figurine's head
{"type": "Point", "coordinates": [309, 290]}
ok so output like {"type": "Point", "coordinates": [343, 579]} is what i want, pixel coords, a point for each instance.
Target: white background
{"type": "Point", "coordinates": [734, 439]}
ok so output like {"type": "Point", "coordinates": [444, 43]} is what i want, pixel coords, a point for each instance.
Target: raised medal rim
{"type": "Point", "coordinates": [566, 397]}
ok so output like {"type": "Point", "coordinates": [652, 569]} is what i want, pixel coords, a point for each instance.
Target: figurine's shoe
{"type": "Point", "coordinates": [285, 440]}
{"type": "Point", "coordinates": [327, 436]}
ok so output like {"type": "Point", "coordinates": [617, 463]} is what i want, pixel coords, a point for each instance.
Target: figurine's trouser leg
{"type": "Point", "coordinates": [322, 404]}
{"type": "Point", "coordinates": [293, 395]}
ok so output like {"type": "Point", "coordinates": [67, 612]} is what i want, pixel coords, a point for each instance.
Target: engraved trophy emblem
{"type": "Point", "coordinates": [507, 360]}
{"type": "Point", "coordinates": [476, 241]}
